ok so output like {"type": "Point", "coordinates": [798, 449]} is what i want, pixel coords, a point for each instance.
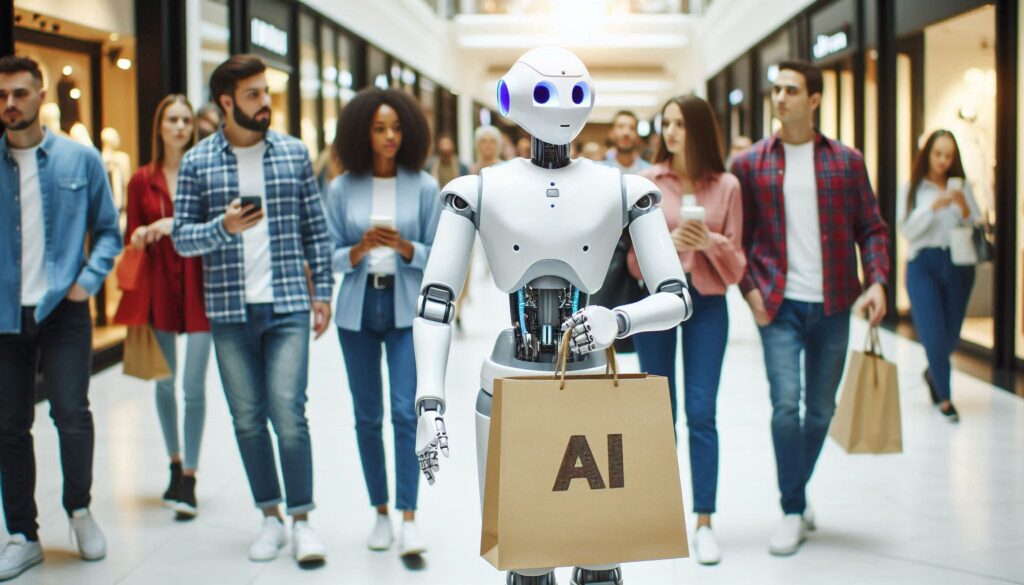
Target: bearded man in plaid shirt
{"type": "Point", "coordinates": [257, 294]}
{"type": "Point", "coordinates": [807, 202]}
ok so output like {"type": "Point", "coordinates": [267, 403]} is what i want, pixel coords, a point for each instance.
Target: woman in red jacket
{"type": "Point", "coordinates": [172, 299]}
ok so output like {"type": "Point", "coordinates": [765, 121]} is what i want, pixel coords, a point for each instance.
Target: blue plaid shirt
{"type": "Point", "coordinates": [208, 182]}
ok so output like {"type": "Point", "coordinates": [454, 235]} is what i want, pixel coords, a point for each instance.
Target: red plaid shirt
{"type": "Point", "coordinates": [847, 211]}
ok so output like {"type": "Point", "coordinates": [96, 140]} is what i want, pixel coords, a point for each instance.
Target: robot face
{"type": "Point", "coordinates": [549, 93]}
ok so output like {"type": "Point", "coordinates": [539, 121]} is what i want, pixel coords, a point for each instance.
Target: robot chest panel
{"type": "Point", "coordinates": [540, 222]}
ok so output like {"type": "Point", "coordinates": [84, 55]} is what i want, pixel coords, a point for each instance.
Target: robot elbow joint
{"type": "Point", "coordinates": [436, 304]}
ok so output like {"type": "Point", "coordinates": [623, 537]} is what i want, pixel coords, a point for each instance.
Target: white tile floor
{"type": "Point", "coordinates": [948, 510]}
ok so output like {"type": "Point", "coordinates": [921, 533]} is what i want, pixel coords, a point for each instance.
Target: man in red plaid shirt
{"type": "Point", "coordinates": [806, 202]}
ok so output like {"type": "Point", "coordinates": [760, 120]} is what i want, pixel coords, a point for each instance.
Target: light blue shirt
{"type": "Point", "coordinates": [417, 209]}
{"type": "Point", "coordinates": [76, 203]}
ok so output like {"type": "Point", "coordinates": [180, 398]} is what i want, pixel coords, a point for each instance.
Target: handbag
{"type": "Point", "coordinates": [143, 357]}
{"type": "Point", "coordinates": [131, 270]}
{"type": "Point", "coordinates": [971, 245]}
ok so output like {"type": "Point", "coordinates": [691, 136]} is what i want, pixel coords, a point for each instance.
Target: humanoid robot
{"type": "Point", "coordinates": [549, 226]}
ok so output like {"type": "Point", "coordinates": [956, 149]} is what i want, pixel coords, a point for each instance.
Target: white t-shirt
{"type": "Point", "coordinates": [381, 260]}
{"type": "Point", "coordinates": [33, 229]}
{"type": "Point", "coordinates": [259, 278]}
{"type": "Point", "coordinates": [804, 277]}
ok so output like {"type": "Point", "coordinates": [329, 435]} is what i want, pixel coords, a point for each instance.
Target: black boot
{"type": "Point", "coordinates": [517, 579]}
{"type": "Point", "coordinates": [186, 507]}
{"type": "Point", "coordinates": [173, 493]}
{"type": "Point", "coordinates": [582, 576]}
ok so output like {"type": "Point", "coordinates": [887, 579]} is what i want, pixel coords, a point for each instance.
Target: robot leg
{"type": "Point", "coordinates": [597, 576]}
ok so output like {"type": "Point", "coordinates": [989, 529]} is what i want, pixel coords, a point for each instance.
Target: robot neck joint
{"type": "Point", "coordinates": [549, 156]}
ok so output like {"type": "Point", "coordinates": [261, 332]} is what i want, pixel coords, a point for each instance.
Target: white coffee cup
{"type": "Point", "coordinates": [955, 184]}
{"type": "Point", "coordinates": [690, 210]}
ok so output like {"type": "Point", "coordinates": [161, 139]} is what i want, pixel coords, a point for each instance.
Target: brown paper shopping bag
{"type": "Point", "coordinates": [867, 419]}
{"type": "Point", "coordinates": [581, 471]}
{"type": "Point", "coordinates": [142, 355]}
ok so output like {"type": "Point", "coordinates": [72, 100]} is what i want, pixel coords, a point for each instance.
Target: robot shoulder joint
{"type": "Point", "coordinates": [641, 196]}
{"type": "Point", "coordinates": [462, 196]}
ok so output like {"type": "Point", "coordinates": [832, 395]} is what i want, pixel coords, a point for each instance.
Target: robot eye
{"type": "Point", "coordinates": [543, 93]}
{"type": "Point", "coordinates": [580, 93]}
{"type": "Point", "coordinates": [504, 101]}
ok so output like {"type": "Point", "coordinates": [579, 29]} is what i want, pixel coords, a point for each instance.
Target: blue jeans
{"type": "Point", "coordinates": [264, 367]}
{"type": "Point", "coordinates": [802, 328]}
{"type": "Point", "coordinates": [704, 340]}
{"type": "Point", "coordinates": [939, 292]}
{"type": "Point", "coordinates": [362, 352]}
{"type": "Point", "coordinates": [197, 357]}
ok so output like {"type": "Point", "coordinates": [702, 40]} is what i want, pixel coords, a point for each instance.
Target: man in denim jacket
{"type": "Point", "coordinates": [53, 194]}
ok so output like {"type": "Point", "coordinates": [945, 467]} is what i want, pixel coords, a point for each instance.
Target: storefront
{"type": "Point", "coordinates": [90, 75]}
{"type": "Point", "coordinates": [955, 67]}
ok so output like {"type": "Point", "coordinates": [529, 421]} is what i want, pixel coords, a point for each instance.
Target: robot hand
{"type": "Point", "coordinates": [594, 328]}
{"type": "Point", "coordinates": [431, 436]}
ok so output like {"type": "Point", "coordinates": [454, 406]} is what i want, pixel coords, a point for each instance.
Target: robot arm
{"type": "Point", "coordinates": [431, 330]}
{"type": "Point", "coordinates": [595, 328]}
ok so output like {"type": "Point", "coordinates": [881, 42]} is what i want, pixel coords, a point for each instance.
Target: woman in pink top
{"type": "Point", "coordinates": [689, 161]}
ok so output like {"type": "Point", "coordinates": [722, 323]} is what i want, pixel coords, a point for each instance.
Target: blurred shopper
{"type": "Point", "coordinates": [689, 163]}
{"type": "Point", "coordinates": [801, 278]}
{"type": "Point", "coordinates": [171, 300]}
{"type": "Point", "coordinates": [255, 259]}
{"type": "Point", "coordinates": [487, 140]}
{"type": "Point", "coordinates": [936, 200]}
{"type": "Point", "coordinates": [524, 147]}
{"type": "Point", "coordinates": [55, 195]}
{"type": "Point", "coordinates": [447, 166]}
{"type": "Point", "coordinates": [627, 144]}
{"type": "Point", "coordinates": [382, 215]}
{"type": "Point", "coordinates": [593, 151]}
{"type": "Point", "coordinates": [208, 120]}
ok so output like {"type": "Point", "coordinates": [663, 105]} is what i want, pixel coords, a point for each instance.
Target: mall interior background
{"type": "Point", "coordinates": [894, 71]}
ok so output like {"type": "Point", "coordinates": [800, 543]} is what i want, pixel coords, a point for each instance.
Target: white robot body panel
{"type": "Point", "coordinates": [450, 253]}
{"type": "Point", "coordinates": [537, 222]}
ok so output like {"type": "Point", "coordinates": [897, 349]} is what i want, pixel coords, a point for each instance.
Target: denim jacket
{"type": "Point", "coordinates": [76, 203]}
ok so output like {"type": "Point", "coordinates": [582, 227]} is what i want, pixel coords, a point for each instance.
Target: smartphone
{"type": "Point", "coordinates": [385, 221]}
{"type": "Point", "coordinates": [255, 200]}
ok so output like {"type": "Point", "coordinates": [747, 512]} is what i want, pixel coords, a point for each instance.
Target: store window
{"type": "Point", "coordinates": [346, 69]}
{"type": "Point", "coordinates": [331, 79]}
{"type": "Point", "coordinates": [1019, 322]}
{"type": "Point", "coordinates": [956, 81]}
{"type": "Point", "coordinates": [309, 85]}
{"type": "Point", "coordinates": [213, 44]}
{"type": "Point", "coordinates": [428, 98]}
{"type": "Point", "coordinates": [377, 68]}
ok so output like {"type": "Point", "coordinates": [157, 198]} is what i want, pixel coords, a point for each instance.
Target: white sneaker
{"type": "Point", "coordinates": [306, 545]}
{"type": "Point", "coordinates": [272, 539]}
{"type": "Point", "coordinates": [809, 519]}
{"type": "Point", "coordinates": [788, 536]}
{"type": "Point", "coordinates": [19, 555]}
{"type": "Point", "coordinates": [409, 542]}
{"type": "Point", "coordinates": [706, 547]}
{"type": "Point", "coordinates": [382, 535]}
{"type": "Point", "coordinates": [92, 545]}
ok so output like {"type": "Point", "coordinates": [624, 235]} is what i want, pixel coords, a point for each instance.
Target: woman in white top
{"type": "Point", "coordinates": [382, 214]}
{"type": "Point", "coordinates": [937, 200]}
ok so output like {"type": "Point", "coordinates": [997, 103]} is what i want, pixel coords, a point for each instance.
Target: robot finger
{"type": "Point", "coordinates": [442, 442]}
{"type": "Point", "coordinates": [583, 339]}
{"type": "Point", "coordinates": [581, 328]}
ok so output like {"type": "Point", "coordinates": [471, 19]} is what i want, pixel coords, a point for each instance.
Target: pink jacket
{"type": "Point", "coordinates": [722, 263]}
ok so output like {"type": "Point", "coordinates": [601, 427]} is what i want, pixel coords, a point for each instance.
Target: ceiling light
{"type": "Point", "coordinates": [67, 70]}
{"type": "Point", "coordinates": [75, 93]}
{"type": "Point", "coordinates": [124, 64]}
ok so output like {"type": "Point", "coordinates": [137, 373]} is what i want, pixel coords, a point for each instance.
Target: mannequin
{"type": "Point", "coordinates": [118, 163]}
{"type": "Point", "coordinates": [49, 115]}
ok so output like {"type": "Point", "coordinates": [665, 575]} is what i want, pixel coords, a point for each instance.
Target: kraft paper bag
{"type": "Point", "coordinates": [581, 474]}
{"type": "Point", "coordinates": [867, 419]}
{"type": "Point", "coordinates": [142, 355]}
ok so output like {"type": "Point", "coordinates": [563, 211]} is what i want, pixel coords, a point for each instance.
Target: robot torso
{"type": "Point", "coordinates": [537, 222]}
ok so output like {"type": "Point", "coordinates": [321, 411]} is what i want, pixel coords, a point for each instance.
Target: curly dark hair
{"type": "Point", "coordinates": [352, 139]}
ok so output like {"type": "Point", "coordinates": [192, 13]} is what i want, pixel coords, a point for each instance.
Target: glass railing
{"type": "Point", "coordinates": [539, 7]}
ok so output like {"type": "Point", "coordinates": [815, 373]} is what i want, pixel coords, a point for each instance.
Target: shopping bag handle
{"type": "Point", "coordinates": [873, 347]}
{"type": "Point", "coordinates": [611, 366]}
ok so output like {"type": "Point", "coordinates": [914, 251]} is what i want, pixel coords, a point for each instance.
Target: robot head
{"type": "Point", "coordinates": [549, 93]}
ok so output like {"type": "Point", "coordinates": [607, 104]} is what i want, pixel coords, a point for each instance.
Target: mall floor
{"type": "Point", "coordinates": [949, 510]}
